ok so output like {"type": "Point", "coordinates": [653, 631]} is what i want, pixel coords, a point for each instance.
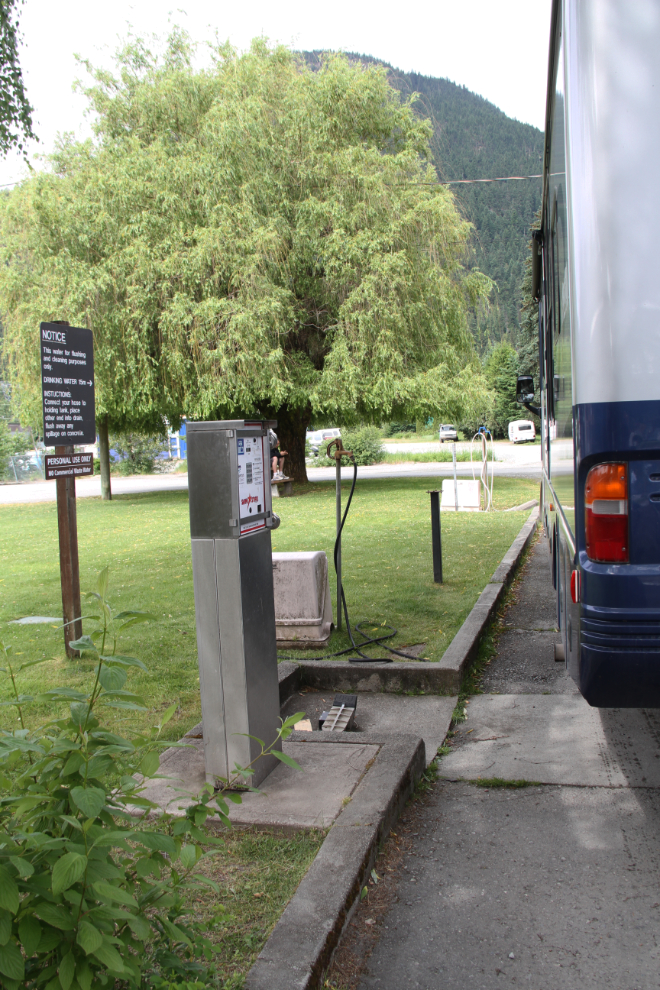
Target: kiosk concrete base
{"type": "Point", "coordinates": [311, 797]}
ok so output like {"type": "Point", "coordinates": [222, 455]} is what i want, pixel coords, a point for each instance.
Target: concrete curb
{"type": "Point", "coordinates": [463, 647]}
{"type": "Point", "coordinates": [443, 677]}
{"type": "Point", "coordinates": [300, 947]}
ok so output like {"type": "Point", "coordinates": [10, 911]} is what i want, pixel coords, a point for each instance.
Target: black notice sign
{"type": "Point", "coordinates": [68, 465]}
{"type": "Point", "coordinates": [67, 385]}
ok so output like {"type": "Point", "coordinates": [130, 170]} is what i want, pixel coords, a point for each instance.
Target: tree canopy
{"type": "Point", "coordinates": [473, 139]}
{"type": "Point", "coordinates": [254, 237]}
{"type": "Point", "coordinates": [15, 111]}
{"type": "Point", "coordinates": [502, 372]}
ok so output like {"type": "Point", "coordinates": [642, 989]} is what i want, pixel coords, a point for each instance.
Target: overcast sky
{"type": "Point", "coordinates": [497, 49]}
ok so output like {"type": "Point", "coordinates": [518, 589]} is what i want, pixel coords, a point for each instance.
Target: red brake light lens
{"type": "Point", "coordinates": [575, 587]}
{"type": "Point", "coordinates": [606, 504]}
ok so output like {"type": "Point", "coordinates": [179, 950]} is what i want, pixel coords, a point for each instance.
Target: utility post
{"type": "Point", "coordinates": [436, 535]}
{"type": "Point", "coordinates": [67, 385]}
{"type": "Point", "coordinates": [338, 453]}
{"type": "Point", "coordinates": [104, 458]}
{"type": "Point", "coordinates": [67, 524]}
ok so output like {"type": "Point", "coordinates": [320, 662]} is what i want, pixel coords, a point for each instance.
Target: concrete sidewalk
{"type": "Point", "coordinates": [550, 887]}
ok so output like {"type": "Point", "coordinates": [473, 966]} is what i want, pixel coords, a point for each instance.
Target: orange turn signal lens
{"type": "Point", "coordinates": [606, 504]}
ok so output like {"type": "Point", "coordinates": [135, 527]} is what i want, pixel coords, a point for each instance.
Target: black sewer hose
{"type": "Point", "coordinates": [366, 640]}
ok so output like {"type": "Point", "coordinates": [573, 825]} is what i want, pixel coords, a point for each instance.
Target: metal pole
{"type": "Point", "coordinates": [453, 454]}
{"type": "Point", "coordinates": [436, 536]}
{"type": "Point", "coordinates": [67, 525]}
{"type": "Point", "coordinates": [484, 470]}
{"type": "Point", "coordinates": [104, 458]}
{"type": "Point", "coordinates": [338, 488]}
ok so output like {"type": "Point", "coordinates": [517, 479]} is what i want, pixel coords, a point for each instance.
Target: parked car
{"type": "Point", "coordinates": [447, 432]}
{"type": "Point", "coordinates": [320, 438]}
{"type": "Point", "coordinates": [522, 431]}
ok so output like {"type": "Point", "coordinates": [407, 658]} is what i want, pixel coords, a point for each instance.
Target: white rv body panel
{"type": "Point", "coordinates": [611, 54]}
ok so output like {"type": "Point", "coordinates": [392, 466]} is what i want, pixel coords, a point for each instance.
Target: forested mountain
{"type": "Point", "coordinates": [472, 139]}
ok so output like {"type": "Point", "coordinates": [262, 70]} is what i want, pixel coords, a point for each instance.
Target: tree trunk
{"type": "Point", "coordinates": [291, 428]}
{"type": "Point", "coordinates": [104, 458]}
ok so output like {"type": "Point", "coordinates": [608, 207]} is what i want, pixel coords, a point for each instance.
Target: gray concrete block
{"type": "Point", "coordinates": [303, 607]}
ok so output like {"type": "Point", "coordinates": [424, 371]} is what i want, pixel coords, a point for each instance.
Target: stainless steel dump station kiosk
{"type": "Point", "coordinates": [230, 522]}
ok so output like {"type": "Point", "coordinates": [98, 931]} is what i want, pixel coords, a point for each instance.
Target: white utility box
{"type": "Point", "coordinates": [469, 495]}
{"type": "Point", "coordinates": [303, 607]}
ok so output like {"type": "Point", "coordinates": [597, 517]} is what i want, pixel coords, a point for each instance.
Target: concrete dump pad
{"type": "Point", "coordinates": [428, 716]}
{"type": "Point", "coordinates": [556, 739]}
{"type": "Point", "coordinates": [311, 797]}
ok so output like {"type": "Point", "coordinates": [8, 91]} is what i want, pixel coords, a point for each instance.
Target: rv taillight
{"type": "Point", "coordinates": [606, 504]}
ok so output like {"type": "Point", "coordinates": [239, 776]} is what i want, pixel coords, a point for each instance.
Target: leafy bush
{"type": "Point", "coordinates": [391, 429]}
{"type": "Point", "coordinates": [366, 444]}
{"type": "Point", "coordinates": [91, 891]}
{"type": "Point", "coordinates": [10, 444]}
{"type": "Point", "coordinates": [137, 452]}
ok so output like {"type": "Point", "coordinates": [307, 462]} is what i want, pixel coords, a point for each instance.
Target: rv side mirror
{"type": "Point", "coordinates": [525, 388]}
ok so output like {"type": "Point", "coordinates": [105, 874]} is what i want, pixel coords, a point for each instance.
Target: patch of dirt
{"type": "Point", "coordinates": [366, 925]}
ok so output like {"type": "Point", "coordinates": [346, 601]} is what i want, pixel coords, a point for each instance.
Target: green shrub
{"type": "Point", "coordinates": [366, 444]}
{"type": "Point", "coordinates": [391, 429]}
{"type": "Point", "coordinates": [10, 444]}
{"type": "Point", "coordinates": [137, 452]}
{"type": "Point", "coordinates": [92, 893]}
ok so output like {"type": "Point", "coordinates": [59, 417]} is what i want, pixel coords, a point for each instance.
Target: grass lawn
{"type": "Point", "coordinates": [146, 541]}
{"type": "Point", "coordinates": [257, 873]}
{"type": "Point", "coordinates": [440, 456]}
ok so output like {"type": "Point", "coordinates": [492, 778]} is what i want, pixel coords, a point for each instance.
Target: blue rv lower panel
{"type": "Point", "coordinates": [619, 665]}
{"type": "Point", "coordinates": [618, 661]}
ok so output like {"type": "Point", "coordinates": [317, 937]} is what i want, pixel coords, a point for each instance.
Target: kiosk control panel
{"type": "Point", "coordinates": [230, 522]}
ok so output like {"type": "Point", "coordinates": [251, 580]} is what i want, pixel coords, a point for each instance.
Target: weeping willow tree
{"type": "Point", "coordinates": [254, 238]}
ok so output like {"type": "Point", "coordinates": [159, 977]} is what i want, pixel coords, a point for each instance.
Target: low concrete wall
{"type": "Point", "coordinates": [443, 677]}
{"type": "Point", "coordinates": [300, 948]}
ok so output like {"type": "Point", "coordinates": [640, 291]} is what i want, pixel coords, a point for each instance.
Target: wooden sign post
{"type": "Point", "coordinates": [67, 383]}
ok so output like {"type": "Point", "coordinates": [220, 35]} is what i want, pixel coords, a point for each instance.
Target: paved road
{"type": "Point", "coordinates": [44, 491]}
{"type": "Point", "coordinates": [512, 453]}
{"type": "Point", "coordinates": [549, 887]}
